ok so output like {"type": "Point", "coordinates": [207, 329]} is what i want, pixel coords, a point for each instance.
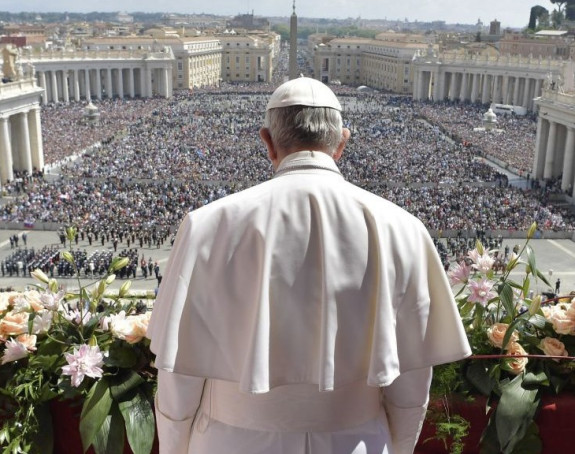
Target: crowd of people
{"type": "Point", "coordinates": [511, 141]}
{"type": "Point", "coordinates": [129, 180]}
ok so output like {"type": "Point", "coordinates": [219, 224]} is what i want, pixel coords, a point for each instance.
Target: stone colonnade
{"type": "Point", "coordinates": [61, 83]}
{"type": "Point", "coordinates": [477, 86]}
{"type": "Point", "coordinates": [555, 149]}
{"type": "Point", "coordinates": [20, 142]}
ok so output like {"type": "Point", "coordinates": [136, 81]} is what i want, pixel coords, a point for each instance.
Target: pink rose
{"type": "Point", "coordinates": [496, 333]}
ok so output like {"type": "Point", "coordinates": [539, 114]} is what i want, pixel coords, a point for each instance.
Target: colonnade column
{"type": "Point", "coordinates": [54, 87]}
{"type": "Point", "coordinates": [87, 84]}
{"type": "Point", "coordinates": [444, 80]}
{"type": "Point", "coordinates": [42, 82]}
{"type": "Point", "coordinates": [131, 83]}
{"type": "Point", "coordinates": [416, 82]}
{"type": "Point", "coordinates": [6, 171]}
{"type": "Point", "coordinates": [143, 89]}
{"type": "Point", "coordinates": [505, 90]}
{"type": "Point", "coordinates": [437, 82]}
{"type": "Point", "coordinates": [485, 89]}
{"type": "Point", "coordinates": [516, 83]}
{"type": "Point", "coordinates": [109, 90]}
{"type": "Point", "coordinates": [527, 89]}
{"type": "Point", "coordinates": [568, 161]}
{"type": "Point", "coordinates": [170, 88]}
{"type": "Point", "coordinates": [166, 83]}
{"type": "Point", "coordinates": [474, 87]}
{"type": "Point", "coordinates": [65, 91]}
{"type": "Point", "coordinates": [538, 83]}
{"type": "Point", "coordinates": [98, 84]}
{"type": "Point", "coordinates": [37, 152]}
{"type": "Point", "coordinates": [496, 89]}
{"type": "Point", "coordinates": [540, 143]}
{"type": "Point", "coordinates": [550, 151]}
{"type": "Point", "coordinates": [24, 143]}
{"type": "Point", "coordinates": [453, 87]}
{"type": "Point", "coordinates": [76, 85]}
{"type": "Point", "coordinates": [120, 83]}
{"type": "Point", "coordinates": [463, 92]}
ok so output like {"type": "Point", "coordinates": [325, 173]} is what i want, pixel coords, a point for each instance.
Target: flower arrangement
{"type": "Point", "coordinates": [523, 348]}
{"type": "Point", "coordinates": [88, 348]}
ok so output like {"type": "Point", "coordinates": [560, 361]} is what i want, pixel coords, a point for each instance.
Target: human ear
{"type": "Point", "coordinates": [345, 135]}
{"type": "Point", "coordinates": [267, 140]}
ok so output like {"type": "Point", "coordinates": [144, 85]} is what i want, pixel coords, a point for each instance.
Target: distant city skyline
{"type": "Point", "coordinates": [511, 13]}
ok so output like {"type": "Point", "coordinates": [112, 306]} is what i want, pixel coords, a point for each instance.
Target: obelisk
{"type": "Point", "coordinates": [293, 69]}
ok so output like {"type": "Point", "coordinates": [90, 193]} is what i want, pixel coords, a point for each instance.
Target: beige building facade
{"type": "Point", "coordinates": [513, 80]}
{"type": "Point", "coordinates": [198, 62]}
{"type": "Point", "coordinates": [383, 63]}
{"type": "Point", "coordinates": [20, 128]}
{"type": "Point", "coordinates": [553, 44]}
{"type": "Point", "coordinates": [248, 57]}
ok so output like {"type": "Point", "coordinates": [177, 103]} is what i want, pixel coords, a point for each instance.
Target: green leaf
{"type": "Point", "coordinates": [541, 276]}
{"type": "Point", "coordinates": [514, 413]}
{"type": "Point", "coordinates": [526, 285]}
{"type": "Point", "coordinates": [110, 438]}
{"type": "Point", "coordinates": [530, 443]}
{"type": "Point", "coordinates": [535, 379]}
{"type": "Point", "coordinates": [538, 321]}
{"type": "Point", "coordinates": [531, 259]}
{"type": "Point", "coordinates": [124, 383]}
{"type": "Point", "coordinates": [510, 330]}
{"type": "Point", "coordinates": [140, 423]}
{"type": "Point", "coordinates": [479, 377]}
{"type": "Point", "coordinates": [94, 411]}
{"type": "Point", "coordinates": [506, 295]}
{"type": "Point", "coordinates": [121, 355]}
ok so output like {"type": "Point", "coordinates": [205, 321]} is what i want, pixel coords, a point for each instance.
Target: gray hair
{"type": "Point", "coordinates": [301, 126]}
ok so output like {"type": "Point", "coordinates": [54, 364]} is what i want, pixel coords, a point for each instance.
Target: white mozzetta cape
{"type": "Point", "coordinates": [304, 279]}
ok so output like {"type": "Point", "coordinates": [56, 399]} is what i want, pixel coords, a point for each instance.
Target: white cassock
{"type": "Point", "coordinates": [302, 315]}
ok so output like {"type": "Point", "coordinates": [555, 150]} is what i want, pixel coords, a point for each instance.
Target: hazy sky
{"type": "Point", "coordinates": [512, 13]}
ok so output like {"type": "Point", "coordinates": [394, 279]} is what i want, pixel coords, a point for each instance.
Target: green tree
{"type": "Point", "coordinates": [567, 7]}
{"type": "Point", "coordinates": [538, 16]}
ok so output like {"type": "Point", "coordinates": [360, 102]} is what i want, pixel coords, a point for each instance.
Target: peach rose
{"type": "Point", "coordinates": [571, 311]}
{"type": "Point", "coordinates": [33, 297]}
{"type": "Point", "coordinates": [547, 312]}
{"type": "Point", "coordinates": [553, 347]}
{"type": "Point", "coordinates": [562, 323]}
{"type": "Point", "coordinates": [5, 300]}
{"type": "Point", "coordinates": [28, 340]}
{"type": "Point", "coordinates": [496, 333]}
{"type": "Point", "coordinates": [132, 329]}
{"type": "Point", "coordinates": [516, 365]}
{"type": "Point", "coordinates": [14, 324]}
